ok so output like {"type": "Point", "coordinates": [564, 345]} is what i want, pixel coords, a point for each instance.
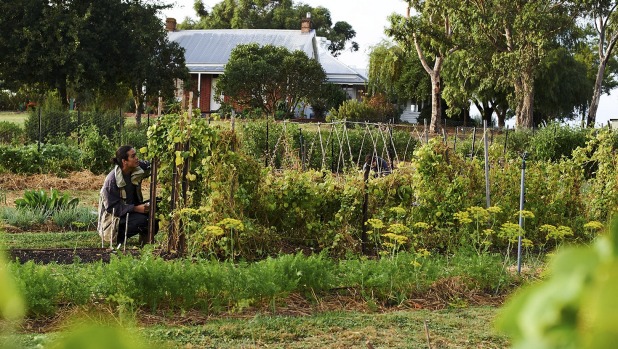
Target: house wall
{"type": "Point", "coordinates": [205, 93]}
{"type": "Point", "coordinates": [202, 83]}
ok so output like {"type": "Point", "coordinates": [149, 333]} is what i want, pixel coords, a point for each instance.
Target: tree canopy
{"type": "Point", "coordinates": [270, 78]}
{"type": "Point", "coordinates": [273, 14]}
{"type": "Point", "coordinates": [87, 46]}
{"type": "Point", "coordinates": [494, 54]}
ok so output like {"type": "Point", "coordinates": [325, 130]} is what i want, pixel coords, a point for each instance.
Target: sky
{"type": "Point", "coordinates": [369, 18]}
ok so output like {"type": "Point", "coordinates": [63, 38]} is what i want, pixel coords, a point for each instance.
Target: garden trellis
{"type": "Point", "coordinates": [344, 144]}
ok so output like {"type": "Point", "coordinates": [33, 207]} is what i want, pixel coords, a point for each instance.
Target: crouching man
{"type": "Point", "coordinates": [122, 211]}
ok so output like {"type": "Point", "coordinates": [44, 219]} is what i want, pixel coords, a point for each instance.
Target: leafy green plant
{"type": "Point", "coordinates": [40, 289]}
{"type": "Point", "coordinates": [75, 218]}
{"type": "Point", "coordinates": [23, 218]}
{"type": "Point", "coordinates": [574, 306]}
{"type": "Point", "coordinates": [38, 199]}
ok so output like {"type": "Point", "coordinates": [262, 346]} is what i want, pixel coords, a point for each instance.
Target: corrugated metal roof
{"type": "Point", "coordinates": [339, 73]}
{"type": "Point", "coordinates": [215, 46]}
{"type": "Point", "coordinates": [207, 51]}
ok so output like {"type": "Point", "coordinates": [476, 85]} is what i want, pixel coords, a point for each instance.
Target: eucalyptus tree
{"type": "Point", "coordinates": [470, 78]}
{"type": "Point", "coordinates": [273, 14]}
{"type": "Point", "coordinates": [520, 32]}
{"type": "Point", "coordinates": [602, 15]}
{"type": "Point", "coordinates": [431, 31]}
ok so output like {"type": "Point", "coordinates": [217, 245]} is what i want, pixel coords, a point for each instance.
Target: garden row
{"type": "Point", "coordinates": [236, 209]}
{"type": "Point", "coordinates": [152, 284]}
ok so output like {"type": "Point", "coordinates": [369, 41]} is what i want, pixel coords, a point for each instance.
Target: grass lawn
{"type": "Point", "coordinates": [451, 328]}
{"type": "Point", "coordinates": [13, 116]}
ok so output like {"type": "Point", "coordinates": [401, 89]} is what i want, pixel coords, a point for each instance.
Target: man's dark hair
{"type": "Point", "coordinates": [122, 154]}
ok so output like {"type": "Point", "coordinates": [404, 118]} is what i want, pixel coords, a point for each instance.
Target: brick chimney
{"type": "Point", "coordinates": [170, 24]}
{"type": "Point", "coordinates": [305, 24]}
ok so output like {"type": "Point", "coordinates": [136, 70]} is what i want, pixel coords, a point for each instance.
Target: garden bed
{"type": "Point", "coordinates": [66, 255]}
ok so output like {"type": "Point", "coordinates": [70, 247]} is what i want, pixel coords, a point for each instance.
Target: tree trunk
{"type": "Point", "coordinates": [524, 93]}
{"type": "Point", "coordinates": [488, 111]}
{"type": "Point", "coordinates": [139, 106]}
{"type": "Point", "coordinates": [436, 105]}
{"type": "Point", "coordinates": [62, 91]}
{"type": "Point", "coordinates": [596, 95]}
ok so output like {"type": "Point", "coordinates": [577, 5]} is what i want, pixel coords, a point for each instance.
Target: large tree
{"type": "Point", "coordinates": [521, 32]}
{"type": "Point", "coordinates": [562, 86]}
{"type": "Point", "coordinates": [38, 42]}
{"type": "Point", "coordinates": [270, 78]}
{"type": "Point", "coordinates": [602, 15]}
{"type": "Point", "coordinates": [273, 14]}
{"type": "Point", "coordinates": [431, 33]}
{"type": "Point", "coordinates": [155, 61]}
{"type": "Point", "coordinates": [82, 45]}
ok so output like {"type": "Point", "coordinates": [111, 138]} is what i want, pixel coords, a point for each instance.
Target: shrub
{"type": "Point", "coordinates": [554, 141]}
{"type": "Point", "coordinates": [52, 158]}
{"type": "Point", "coordinates": [11, 133]}
{"type": "Point", "coordinates": [55, 120]}
{"type": "Point", "coordinates": [75, 218]}
{"type": "Point", "coordinates": [135, 135]}
{"type": "Point", "coordinates": [373, 109]}
{"type": "Point", "coordinates": [97, 150]}
{"type": "Point", "coordinates": [23, 218]}
{"type": "Point", "coordinates": [26, 159]}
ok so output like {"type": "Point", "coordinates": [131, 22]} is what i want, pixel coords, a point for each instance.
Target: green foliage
{"type": "Point", "coordinates": [107, 122]}
{"type": "Point", "coordinates": [97, 150]}
{"type": "Point", "coordinates": [554, 141]}
{"type": "Point", "coordinates": [129, 284]}
{"type": "Point", "coordinates": [38, 199]}
{"type": "Point", "coordinates": [54, 121]}
{"type": "Point", "coordinates": [259, 77]}
{"type": "Point", "coordinates": [92, 66]}
{"type": "Point", "coordinates": [23, 218]}
{"type": "Point", "coordinates": [75, 218]}
{"type": "Point", "coordinates": [330, 96]}
{"type": "Point", "coordinates": [95, 336]}
{"type": "Point", "coordinates": [53, 158]}
{"type": "Point", "coordinates": [11, 133]}
{"type": "Point", "coordinates": [573, 307]}
{"type": "Point", "coordinates": [135, 135]}
{"type": "Point", "coordinates": [598, 160]}
{"type": "Point", "coordinates": [372, 109]}
{"type": "Point", "coordinates": [40, 289]}
{"type": "Point", "coordinates": [36, 239]}
{"type": "Point", "coordinates": [11, 302]}
{"type": "Point", "coordinates": [324, 145]}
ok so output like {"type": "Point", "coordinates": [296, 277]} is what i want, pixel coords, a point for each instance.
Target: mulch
{"type": "Point", "coordinates": [83, 180]}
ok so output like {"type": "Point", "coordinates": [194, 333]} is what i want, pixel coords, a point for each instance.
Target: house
{"type": "Point", "coordinates": [207, 52]}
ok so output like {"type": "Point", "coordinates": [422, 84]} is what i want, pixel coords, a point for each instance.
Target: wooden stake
{"type": "Point", "coordinates": [427, 335]}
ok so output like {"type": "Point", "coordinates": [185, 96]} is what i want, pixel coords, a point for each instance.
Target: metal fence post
{"type": "Point", "coordinates": [40, 128]}
{"type": "Point", "coordinates": [521, 208]}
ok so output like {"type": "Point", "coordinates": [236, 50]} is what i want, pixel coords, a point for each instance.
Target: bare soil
{"type": "Point", "coordinates": [66, 255]}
